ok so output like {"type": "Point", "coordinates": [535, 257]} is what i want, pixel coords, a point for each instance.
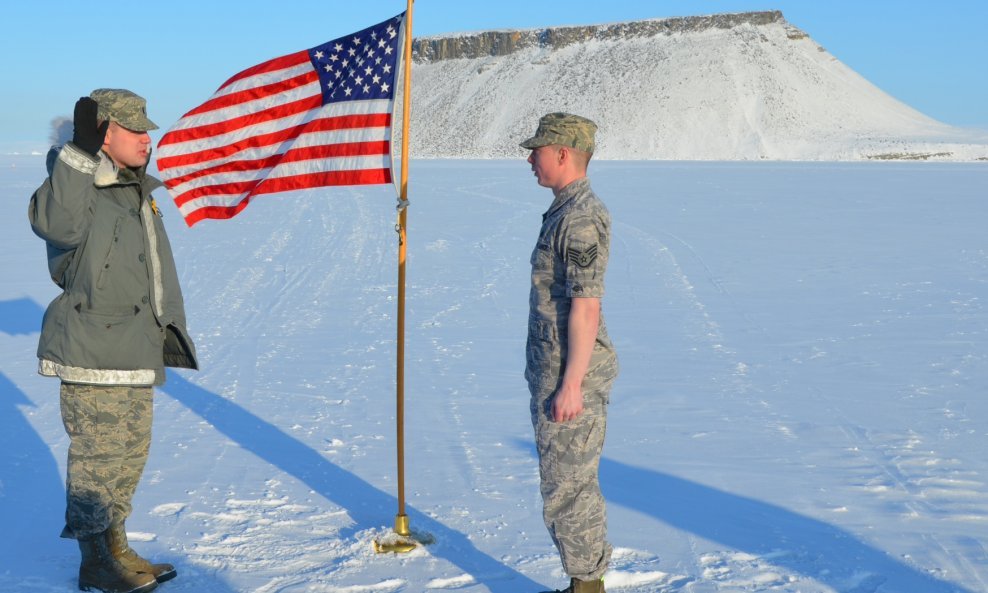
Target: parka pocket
{"type": "Point", "coordinates": [111, 249]}
{"type": "Point", "coordinates": [112, 338]}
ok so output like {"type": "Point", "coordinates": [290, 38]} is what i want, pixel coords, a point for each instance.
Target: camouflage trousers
{"type": "Point", "coordinates": [109, 430]}
{"type": "Point", "coordinates": [572, 504]}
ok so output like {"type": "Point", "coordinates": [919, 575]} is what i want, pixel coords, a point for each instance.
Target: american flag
{"type": "Point", "coordinates": [314, 118]}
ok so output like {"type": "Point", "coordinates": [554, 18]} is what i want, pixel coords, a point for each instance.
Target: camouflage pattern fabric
{"type": "Point", "coordinates": [109, 428]}
{"type": "Point", "coordinates": [124, 107]}
{"type": "Point", "coordinates": [573, 507]}
{"type": "Point", "coordinates": [569, 261]}
{"type": "Point", "coordinates": [564, 129]}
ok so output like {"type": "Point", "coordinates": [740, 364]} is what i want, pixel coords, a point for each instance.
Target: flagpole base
{"type": "Point", "coordinates": [396, 547]}
{"type": "Point", "coordinates": [399, 542]}
{"type": "Point", "coordinates": [401, 525]}
{"type": "Point", "coordinates": [402, 540]}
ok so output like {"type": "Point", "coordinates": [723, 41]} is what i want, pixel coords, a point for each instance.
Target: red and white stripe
{"type": "Point", "coordinates": [264, 131]}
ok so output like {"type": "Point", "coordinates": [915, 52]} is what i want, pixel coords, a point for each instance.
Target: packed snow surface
{"type": "Point", "coordinates": [801, 406]}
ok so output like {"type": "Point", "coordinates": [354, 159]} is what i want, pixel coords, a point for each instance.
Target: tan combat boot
{"type": "Point", "coordinates": [100, 571]}
{"type": "Point", "coordinates": [122, 551]}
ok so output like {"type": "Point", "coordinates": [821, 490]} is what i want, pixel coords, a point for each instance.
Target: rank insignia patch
{"type": "Point", "coordinates": [582, 258]}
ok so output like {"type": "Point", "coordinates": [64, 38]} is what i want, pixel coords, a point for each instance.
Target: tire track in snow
{"type": "Point", "coordinates": [468, 291]}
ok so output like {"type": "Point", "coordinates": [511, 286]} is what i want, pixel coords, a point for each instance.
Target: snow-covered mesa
{"type": "Point", "coordinates": [744, 86]}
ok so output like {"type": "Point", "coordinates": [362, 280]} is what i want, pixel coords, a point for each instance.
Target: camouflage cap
{"type": "Point", "coordinates": [564, 129]}
{"type": "Point", "coordinates": [124, 107]}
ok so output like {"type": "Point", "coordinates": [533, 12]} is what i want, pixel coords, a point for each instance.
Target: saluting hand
{"type": "Point", "coordinates": [86, 133]}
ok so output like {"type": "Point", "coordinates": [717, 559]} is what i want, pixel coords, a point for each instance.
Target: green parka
{"type": "Point", "coordinates": [120, 319]}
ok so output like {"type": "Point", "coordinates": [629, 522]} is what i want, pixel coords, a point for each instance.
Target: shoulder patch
{"type": "Point", "coordinates": [582, 257]}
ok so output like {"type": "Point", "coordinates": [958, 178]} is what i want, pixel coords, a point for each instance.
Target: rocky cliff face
{"type": "Point", "coordinates": [502, 43]}
{"type": "Point", "coordinates": [723, 87]}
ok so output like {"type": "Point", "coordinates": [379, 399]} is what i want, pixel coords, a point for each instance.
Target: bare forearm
{"type": "Point", "coordinates": [584, 320]}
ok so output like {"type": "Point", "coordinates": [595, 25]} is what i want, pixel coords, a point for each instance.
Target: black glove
{"type": "Point", "coordinates": [86, 134]}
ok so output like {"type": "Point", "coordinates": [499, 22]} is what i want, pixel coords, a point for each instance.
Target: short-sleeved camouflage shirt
{"type": "Point", "coordinates": [569, 261]}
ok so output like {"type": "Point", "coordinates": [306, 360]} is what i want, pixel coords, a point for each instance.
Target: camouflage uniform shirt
{"type": "Point", "coordinates": [569, 261]}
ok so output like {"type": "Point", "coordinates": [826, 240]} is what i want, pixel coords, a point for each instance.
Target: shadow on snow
{"type": "Point", "coordinates": [20, 317]}
{"type": "Point", "coordinates": [364, 503]}
{"type": "Point", "coordinates": [32, 491]}
{"type": "Point", "coordinates": [32, 495]}
{"type": "Point", "coordinates": [801, 544]}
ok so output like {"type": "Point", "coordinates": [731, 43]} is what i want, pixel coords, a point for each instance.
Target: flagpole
{"type": "Point", "coordinates": [401, 519]}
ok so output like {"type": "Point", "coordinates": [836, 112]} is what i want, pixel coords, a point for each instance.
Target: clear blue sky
{"type": "Point", "coordinates": [932, 56]}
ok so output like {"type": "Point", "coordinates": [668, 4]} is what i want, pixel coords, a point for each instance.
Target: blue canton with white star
{"type": "Point", "coordinates": [359, 66]}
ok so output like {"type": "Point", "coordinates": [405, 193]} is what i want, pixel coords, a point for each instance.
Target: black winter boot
{"type": "Point", "coordinates": [122, 551]}
{"type": "Point", "coordinates": [100, 571]}
{"type": "Point", "coordinates": [578, 586]}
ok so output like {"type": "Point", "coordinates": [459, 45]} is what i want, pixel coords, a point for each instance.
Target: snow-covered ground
{"type": "Point", "coordinates": [801, 408]}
